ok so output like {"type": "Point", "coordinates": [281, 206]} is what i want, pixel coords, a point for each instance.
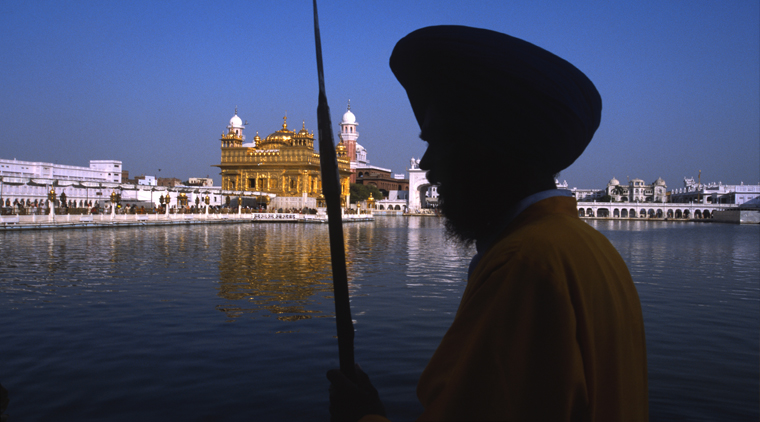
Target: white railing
{"type": "Point", "coordinates": [160, 218]}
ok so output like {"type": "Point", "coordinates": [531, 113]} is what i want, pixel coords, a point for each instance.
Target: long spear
{"type": "Point", "coordinates": [331, 189]}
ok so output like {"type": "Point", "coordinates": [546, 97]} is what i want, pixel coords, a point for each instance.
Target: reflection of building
{"type": "Point", "coordinates": [275, 269]}
{"type": "Point", "coordinates": [282, 166]}
{"type": "Point", "coordinates": [714, 193]}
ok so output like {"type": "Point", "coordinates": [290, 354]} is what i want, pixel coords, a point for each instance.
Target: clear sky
{"type": "Point", "coordinates": [154, 83]}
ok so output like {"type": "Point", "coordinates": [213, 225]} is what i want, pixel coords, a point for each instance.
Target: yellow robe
{"type": "Point", "coordinates": [549, 329]}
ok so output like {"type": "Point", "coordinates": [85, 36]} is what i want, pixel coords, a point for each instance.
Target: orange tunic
{"type": "Point", "coordinates": [549, 328]}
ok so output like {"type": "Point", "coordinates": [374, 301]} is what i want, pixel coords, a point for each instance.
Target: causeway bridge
{"type": "Point", "coordinates": [636, 210]}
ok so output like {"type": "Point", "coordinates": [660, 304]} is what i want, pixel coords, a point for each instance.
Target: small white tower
{"type": "Point", "coordinates": [348, 132]}
{"type": "Point", "coordinates": [236, 126]}
{"type": "Point", "coordinates": [349, 135]}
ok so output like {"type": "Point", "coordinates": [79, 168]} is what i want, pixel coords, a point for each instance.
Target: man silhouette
{"type": "Point", "coordinates": [550, 324]}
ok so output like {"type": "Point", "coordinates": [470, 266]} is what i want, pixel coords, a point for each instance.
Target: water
{"type": "Point", "coordinates": [235, 322]}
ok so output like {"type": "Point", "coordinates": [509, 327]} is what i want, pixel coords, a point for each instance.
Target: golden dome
{"type": "Point", "coordinates": [303, 130]}
{"type": "Point", "coordinates": [281, 137]}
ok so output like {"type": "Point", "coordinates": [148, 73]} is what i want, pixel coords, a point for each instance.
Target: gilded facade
{"type": "Point", "coordinates": [282, 166]}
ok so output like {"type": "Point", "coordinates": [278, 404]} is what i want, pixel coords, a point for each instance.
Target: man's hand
{"type": "Point", "coordinates": [351, 401]}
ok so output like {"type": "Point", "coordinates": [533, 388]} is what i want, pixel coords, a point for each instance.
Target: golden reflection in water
{"type": "Point", "coordinates": [281, 268]}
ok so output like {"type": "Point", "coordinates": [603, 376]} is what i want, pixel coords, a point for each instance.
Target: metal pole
{"type": "Point", "coordinates": [331, 190]}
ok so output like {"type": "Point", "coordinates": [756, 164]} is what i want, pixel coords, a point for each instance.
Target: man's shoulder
{"type": "Point", "coordinates": [548, 232]}
{"type": "Point", "coordinates": [549, 242]}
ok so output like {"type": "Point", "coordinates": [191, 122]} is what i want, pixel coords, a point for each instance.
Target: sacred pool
{"type": "Point", "coordinates": [235, 322]}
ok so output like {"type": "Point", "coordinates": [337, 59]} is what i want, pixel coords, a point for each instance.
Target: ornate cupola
{"type": "Point", "coordinates": [303, 138]}
{"type": "Point", "coordinates": [341, 149]}
{"type": "Point", "coordinates": [279, 139]}
{"type": "Point", "coordinates": [234, 136]}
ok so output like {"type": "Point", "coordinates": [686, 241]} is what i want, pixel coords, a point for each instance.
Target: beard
{"type": "Point", "coordinates": [464, 216]}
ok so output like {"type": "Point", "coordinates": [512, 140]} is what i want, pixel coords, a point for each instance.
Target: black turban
{"type": "Point", "coordinates": [519, 98]}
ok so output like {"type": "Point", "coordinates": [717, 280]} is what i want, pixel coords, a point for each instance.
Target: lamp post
{"type": "Point", "coordinates": [51, 199]}
{"type": "Point", "coordinates": [208, 200]}
{"type": "Point", "coordinates": [167, 200]}
{"type": "Point", "coordinates": [370, 203]}
{"type": "Point", "coordinates": [113, 204]}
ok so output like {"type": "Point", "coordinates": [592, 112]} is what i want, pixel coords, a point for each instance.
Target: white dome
{"type": "Point", "coordinates": [614, 182]}
{"type": "Point", "coordinates": [360, 148]}
{"type": "Point", "coordinates": [349, 118]}
{"type": "Point", "coordinates": [236, 122]}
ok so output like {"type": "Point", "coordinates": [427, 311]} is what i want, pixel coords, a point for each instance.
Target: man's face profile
{"type": "Point", "coordinates": [436, 157]}
{"type": "Point", "coordinates": [449, 166]}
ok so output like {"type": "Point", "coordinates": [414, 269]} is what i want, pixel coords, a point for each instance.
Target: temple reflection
{"type": "Point", "coordinates": [276, 269]}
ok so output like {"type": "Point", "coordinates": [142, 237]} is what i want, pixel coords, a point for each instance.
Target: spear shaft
{"type": "Point", "coordinates": [331, 190]}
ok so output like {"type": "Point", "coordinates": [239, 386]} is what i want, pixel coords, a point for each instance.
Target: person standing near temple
{"type": "Point", "coordinates": [550, 325]}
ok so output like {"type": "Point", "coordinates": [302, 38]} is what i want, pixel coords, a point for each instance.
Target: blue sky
{"type": "Point", "coordinates": [155, 83]}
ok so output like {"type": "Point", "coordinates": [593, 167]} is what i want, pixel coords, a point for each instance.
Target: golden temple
{"type": "Point", "coordinates": [282, 167]}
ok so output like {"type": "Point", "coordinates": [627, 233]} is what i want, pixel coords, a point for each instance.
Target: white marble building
{"type": "Point", "coordinates": [30, 182]}
{"type": "Point", "coordinates": [422, 194]}
{"type": "Point", "coordinates": [636, 190]}
{"type": "Point", "coordinates": [714, 193]}
{"type": "Point", "coordinates": [98, 171]}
